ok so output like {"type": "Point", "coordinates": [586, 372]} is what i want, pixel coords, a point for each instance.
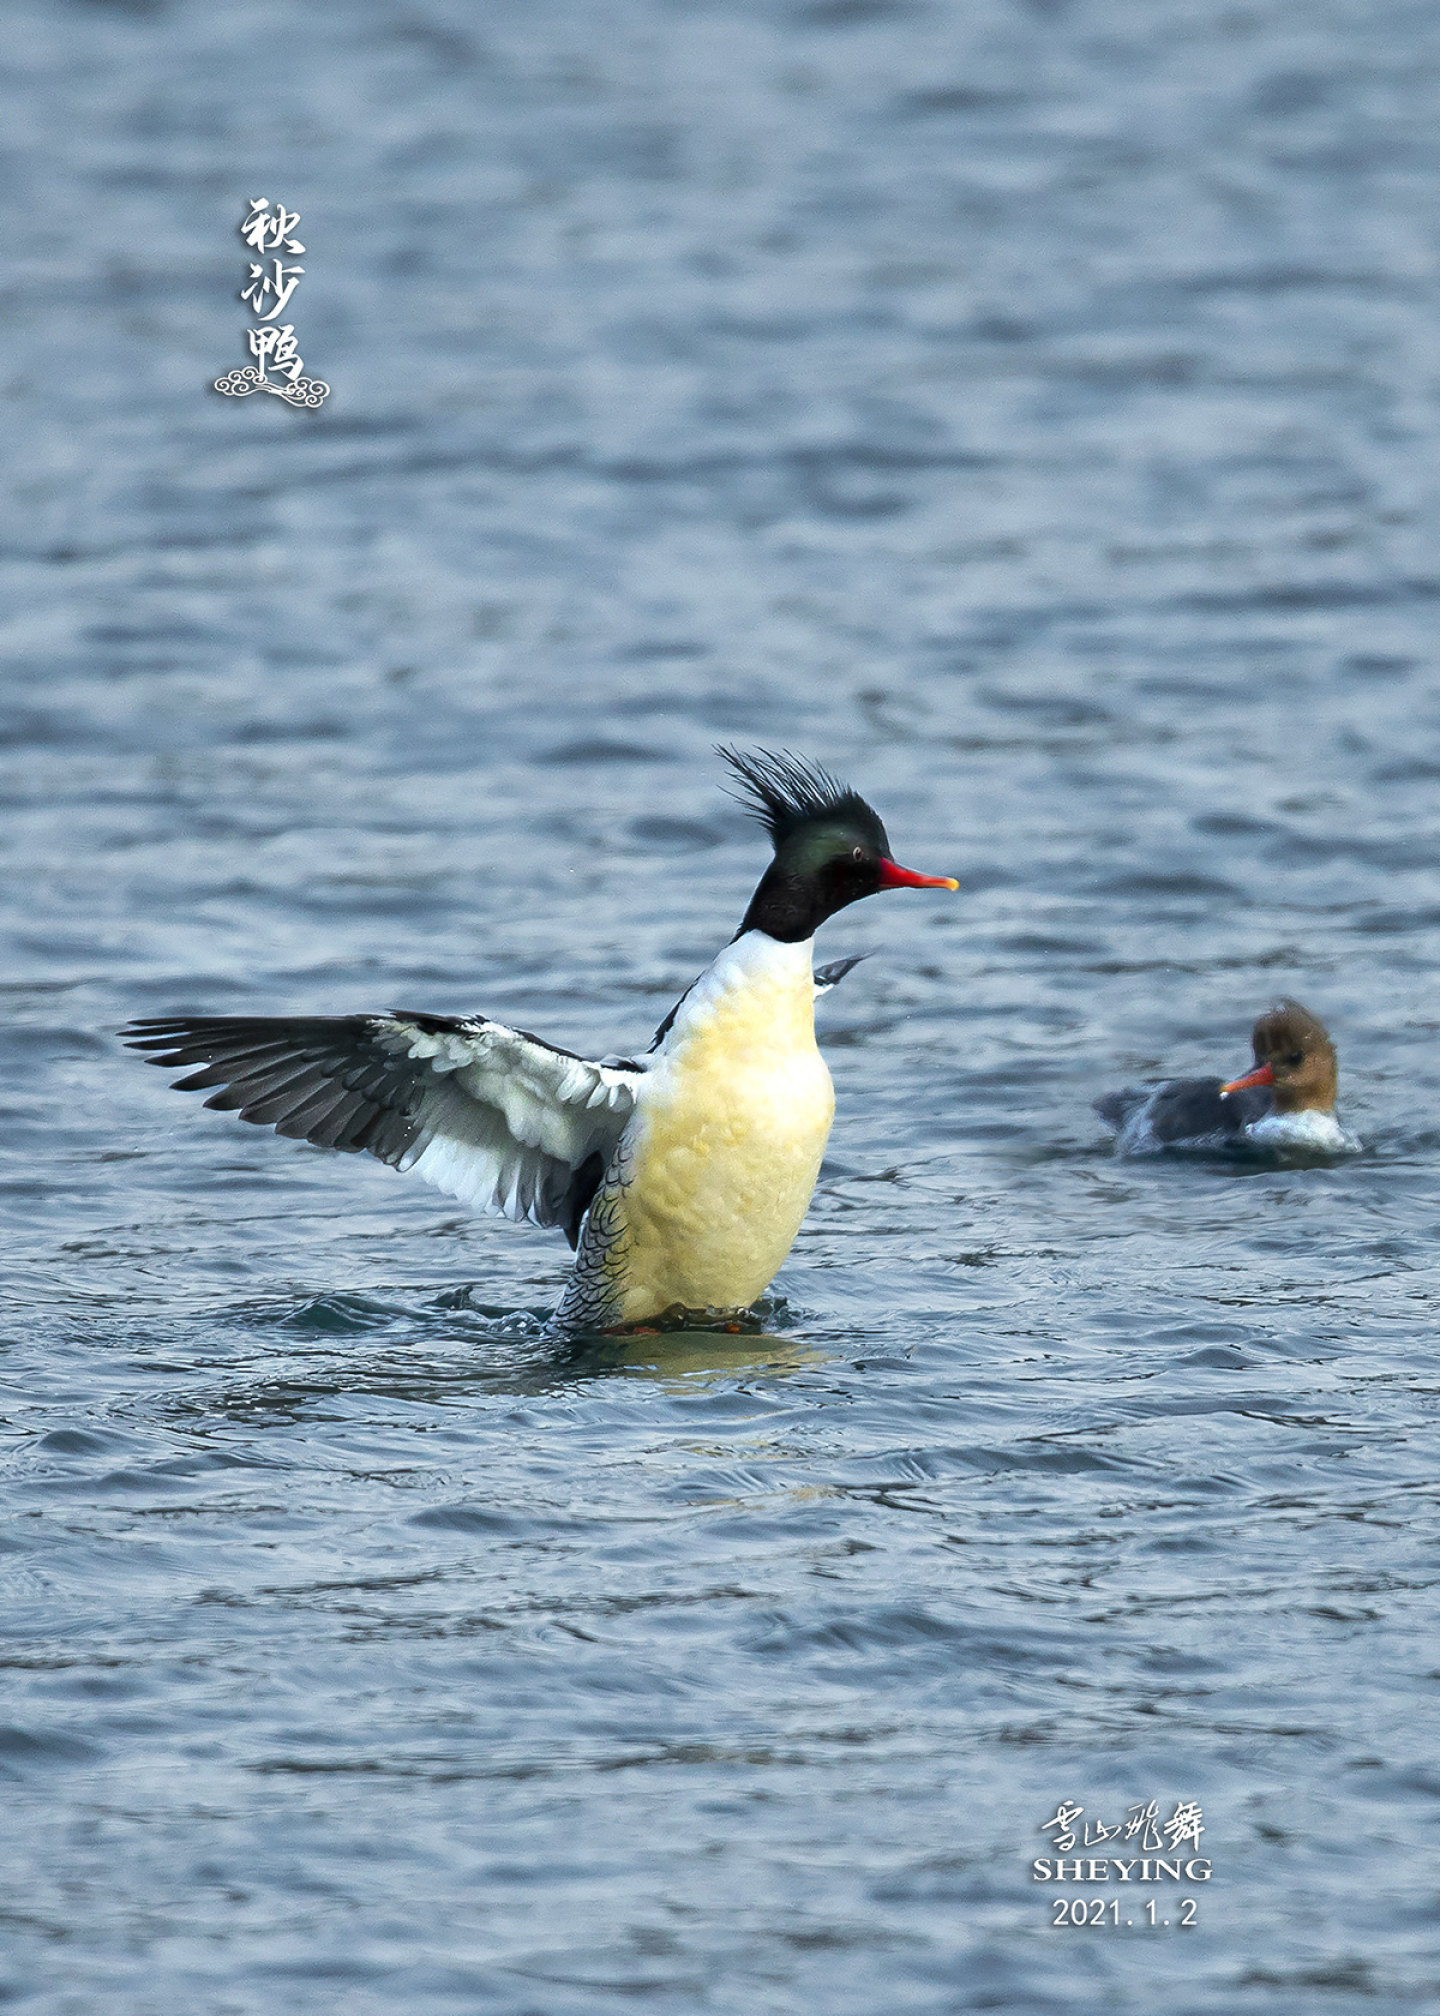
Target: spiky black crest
{"type": "Point", "coordinates": [786, 794]}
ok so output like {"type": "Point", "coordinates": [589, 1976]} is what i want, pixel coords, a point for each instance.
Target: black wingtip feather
{"type": "Point", "coordinates": [830, 976]}
{"type": "Point", "coordinates": [322, 1079]}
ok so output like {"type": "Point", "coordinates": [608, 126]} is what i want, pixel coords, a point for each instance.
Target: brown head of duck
{"type": "Point", "coordinates": [1293, 1055]}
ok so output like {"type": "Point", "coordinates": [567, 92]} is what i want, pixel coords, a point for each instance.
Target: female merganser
{"type": "Point", "coordinates": [1287, 1101]}
{"type": "Point", "coordinates": [681, 1178]}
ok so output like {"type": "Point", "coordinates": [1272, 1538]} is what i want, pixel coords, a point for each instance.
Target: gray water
{"type": "Point", "coordinates": [1031, 411]}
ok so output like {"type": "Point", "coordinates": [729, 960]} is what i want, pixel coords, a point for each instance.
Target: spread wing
{"type": "Point", "coordinates": [497, 1118]}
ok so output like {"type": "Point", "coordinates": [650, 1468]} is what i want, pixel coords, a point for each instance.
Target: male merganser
{"type": "Point", "coordinates": [1287, 1101]}
{"type": "Point", "coordinates": [681, 1178]}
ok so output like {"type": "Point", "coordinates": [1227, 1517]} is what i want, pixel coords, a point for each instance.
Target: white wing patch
{"type": "Point", "coordinates": [508, 1119]}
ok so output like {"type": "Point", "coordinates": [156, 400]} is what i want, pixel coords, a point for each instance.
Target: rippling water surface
{"type": "Point", "coordinates": [1030, 410]}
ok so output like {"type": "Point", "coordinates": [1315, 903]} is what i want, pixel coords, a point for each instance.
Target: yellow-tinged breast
{"type": "Point", "coordinates": [728, 1137]}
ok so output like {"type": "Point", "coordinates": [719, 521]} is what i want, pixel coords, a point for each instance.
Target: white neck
{"type": "Point", "coordinates": [754, 962]}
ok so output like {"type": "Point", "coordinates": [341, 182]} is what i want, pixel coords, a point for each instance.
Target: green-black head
{"type": "Point", "coordinates": [831, 847]}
